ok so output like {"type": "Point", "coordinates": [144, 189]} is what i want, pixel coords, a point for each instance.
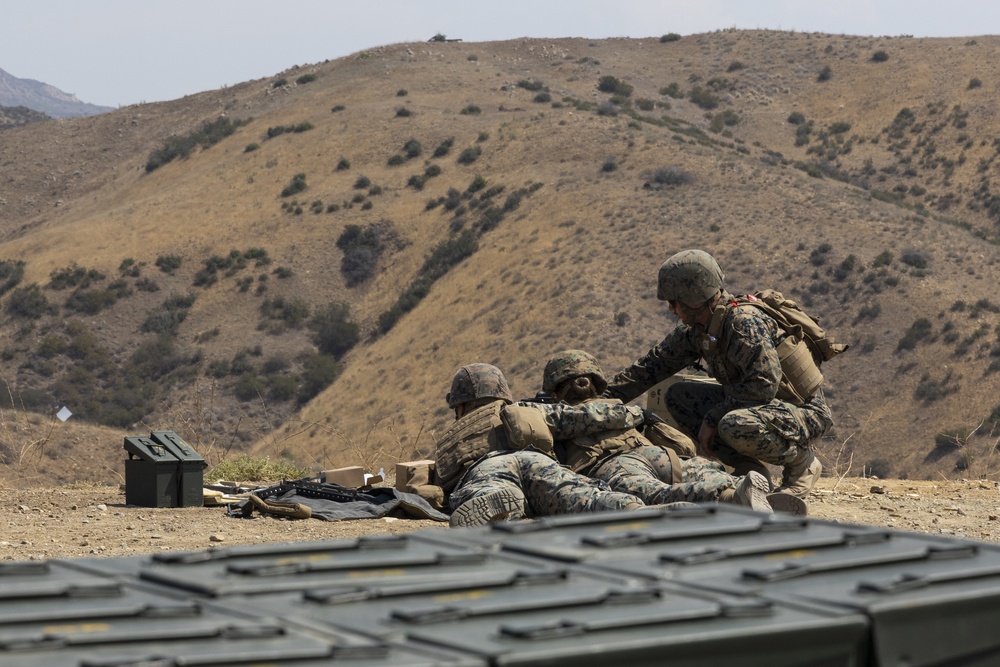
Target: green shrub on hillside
{"type": "Point", "coordinates": [318, 372]}
{"type": "Point", "coordinates": [470, 110]}
{"type": "Point", "coordinates": [884, 258]}
{"type": "Point", "coordinates": [208, 135]}
{"type": "Point", "coordinates": [306, 78]}
{"type": "Point", "coordinates": [278, 130]}
{"type": "Point", "coordinates": [297, 185]}
{"type": "Point", "coordinates": [672, 90]}
{"type": "Point", "coordinates": [93, 301]}
{"type": "Point", "coordinates": [168, 263]}
{"type": "Point", "coordinates": [343, 164]}
{"type": "Point", "coordinates": [11, 274]}
{"type": "Point", "coordinates": [825, 74]}
{"type": "Point", "coordinates": [529, 84]}
{"type": "Point", "coordinates": [610, 84]}
{"type": "Point", "coordinates": [918, 331]}
{"type": "Point", "coordinates": [880, 57]}
{"type": "Point", "coordinates": [335, 333]}
{"type": "Point", "coordinates": [29, 302]}
{"type": "Point", "coordinates": [915, 258]}
{"type": "Point", "coordinates": [470, 155]}
{"type": "Point", "coordinates": [168, 317]}
{"type": "Point", "coordinates": [444, 147]}
{"type": "Point", "coordinates": [412, 148]}
{"type": "Point", "coordinates": [403, 112]}
{"type": "Point", "coordinates": [666, 176]}
{"type": "Point", "coordinates": [289, 313]}
{"type": "Point", "coordinates": [669, 37]}
{"type": "Point", "coordinates": [73, 276]}
{"type": "Point", "coordinates": [703, 98]}
{"type": "Point", "coordinates": [362, 247]}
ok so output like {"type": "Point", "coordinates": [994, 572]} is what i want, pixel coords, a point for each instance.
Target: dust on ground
{"type": "Point", "coordinates": [96, 522]}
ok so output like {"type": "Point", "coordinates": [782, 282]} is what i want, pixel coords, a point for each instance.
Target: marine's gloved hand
{"type": "Point", "coordinates": [650, 417]}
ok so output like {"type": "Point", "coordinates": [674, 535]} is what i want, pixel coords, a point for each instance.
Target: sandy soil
{"type": "Point", "coordinates": [89, 522]}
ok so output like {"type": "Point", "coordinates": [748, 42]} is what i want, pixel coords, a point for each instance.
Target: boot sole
{"type": "Point", "coordinates": [753, 492]}
{"type": "Point", "coordinates": [489, 507]}
{"type": "Point", "coordinates": [787, 503]}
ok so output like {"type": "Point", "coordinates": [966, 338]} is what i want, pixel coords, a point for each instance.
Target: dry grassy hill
{"type": "Point", "coordinates": [853, 173]}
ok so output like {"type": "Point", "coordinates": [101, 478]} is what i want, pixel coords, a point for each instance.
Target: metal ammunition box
{"type": "Point", "coordinates": [190, 468]}
{"type": "Point", "coordinates": [151, 474]}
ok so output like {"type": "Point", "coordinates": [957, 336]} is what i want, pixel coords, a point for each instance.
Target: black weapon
{"type": "Point", "coordinates": [309, 489]}
{"type": "Point", "coordinates": [540, 397]}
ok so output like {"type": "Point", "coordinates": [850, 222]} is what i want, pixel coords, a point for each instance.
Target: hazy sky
{"type": "Point", "coordinates": [119, 52]}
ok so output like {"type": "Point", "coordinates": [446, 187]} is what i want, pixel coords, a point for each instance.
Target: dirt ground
{"type": "Point", "coordinates": [96, 522]}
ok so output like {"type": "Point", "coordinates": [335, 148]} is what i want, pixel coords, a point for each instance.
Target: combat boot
{"type": "Point", "coordinates": [801, 475]}
{"type": "Point", "coordinates": [787, 503]}
{"type": "Point", "coordinates": [741, 465]}
{"type": "Point", "coordinates": [507, 503]}
{"type": "Point", "coordinates": [750, 492]}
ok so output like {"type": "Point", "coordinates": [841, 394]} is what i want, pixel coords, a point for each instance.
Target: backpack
{"type": "Point", "coordinates": [805, 347]}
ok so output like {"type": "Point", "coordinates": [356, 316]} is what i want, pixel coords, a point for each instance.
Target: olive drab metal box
{"type": "Point", "coordinates": [190, 468]}
{"type": "Point", "coordinates": [52, 615]}
{"type": "Point", "coordinates": [151, 474]}
{"type": "Point", "coordinates": [929, 600]}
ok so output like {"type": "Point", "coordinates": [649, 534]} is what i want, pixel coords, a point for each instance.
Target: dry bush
{"type": "Point", "coordinates": [23, 437]}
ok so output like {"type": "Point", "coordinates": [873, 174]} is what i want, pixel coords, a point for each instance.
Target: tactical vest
{"type": "Point", "coordinates": [584, 452]}
{"type": "Point", "coordinates": [801, 350]}
{"type": "Point", "coordinates": [468, 440]}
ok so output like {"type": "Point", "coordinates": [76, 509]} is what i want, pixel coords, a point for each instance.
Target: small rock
{"type": "Point", "coordinates": [102, 508]}
{"type": "Point", "coordinates": [876, 489]}
{"type": "Point", "coordinates": [23, 508]}
{"type": "Point", "coordinates": [216, 538]}
{"type": "Point", "coordinates": [993, 517]}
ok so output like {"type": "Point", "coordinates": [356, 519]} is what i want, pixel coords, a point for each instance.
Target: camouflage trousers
{"type": "Point", "coordinates": [775, 432]}
{"type": "Point", "coordinates": [548, 487]}
{"type": "Point", "coordinates": [645, 472]}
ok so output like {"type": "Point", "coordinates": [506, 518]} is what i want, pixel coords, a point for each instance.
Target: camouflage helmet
{"type": "Point", "coordinates": [569, 364]}
{"type": "Point", "coordinates": [478, 381]}
{"type": "Point", "coordinates": [690, 276]}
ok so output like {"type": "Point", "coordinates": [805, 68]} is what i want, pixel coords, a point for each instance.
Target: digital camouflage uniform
{"type": "Point", "coordinates": [619, 454]}
{"type": "Point", "coordinates": [475, 461]}
{"type": "Point", "coordinates": [750, 420]}
{"type": "Point", "coordinates": [548, 487]}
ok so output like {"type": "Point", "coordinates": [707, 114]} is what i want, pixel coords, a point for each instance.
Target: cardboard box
{"type": "Point", "coordinates": [408, 471]}
{"type": "Point", "coordinates": [351, 476]}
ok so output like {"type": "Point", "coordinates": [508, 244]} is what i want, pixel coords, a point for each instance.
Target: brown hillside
{"type": "Point", "coordinates": [876, 218]}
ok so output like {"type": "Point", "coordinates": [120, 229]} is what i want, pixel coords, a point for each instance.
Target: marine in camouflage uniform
{"type": "Point", "coordinates": [629, 462]}
{"type": "Point", "coordinates": [740, 421]}
{"type": "Point", "coordinates": [485, 480]}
